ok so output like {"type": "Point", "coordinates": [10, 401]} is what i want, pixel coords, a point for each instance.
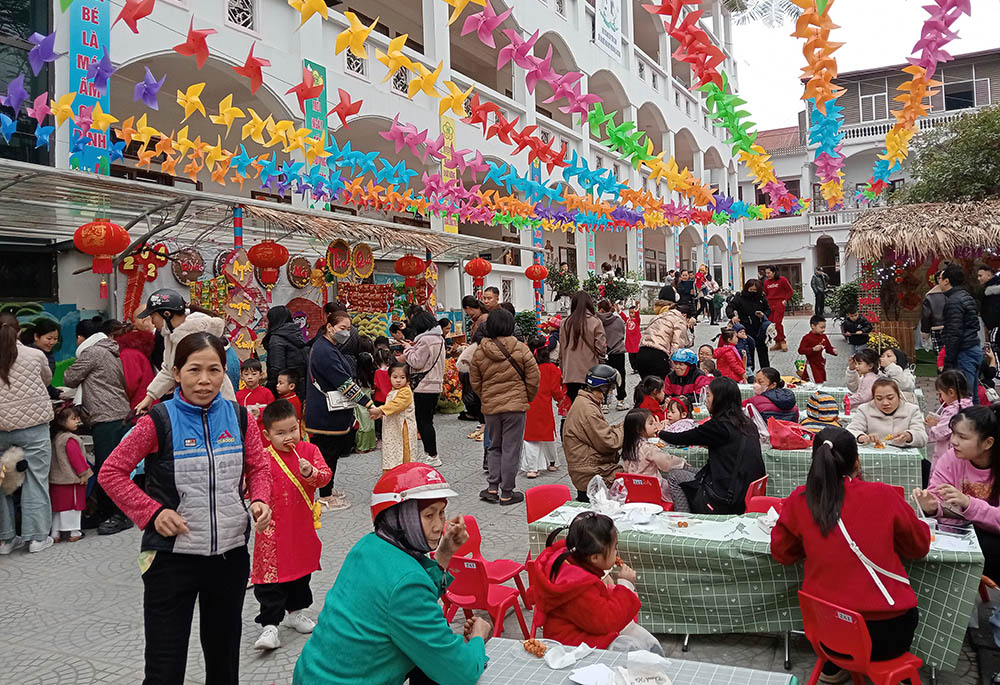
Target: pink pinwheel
{"type": "Point", "coordinates": [44, 51]}
{"type": "Point", "coordinates": [434, 148]}
{"type": "Point", "coordinates": [457, 160]}
{"type": "Point", "coordinates": [412, 140]}
{"type": "Point", "coordinates": [563, 86]}
{"type": "Point", "coordinates": [484, 24]}
{"type": "Point", "coordinates": [40, 109]}
{"type": "Point", "coordinates": [828, 165]}
{"type": "Point", "coordinates": [84, 119]}
{"type": "Point", "coordinates": [432, 184]}
{"type": "Point", "coordinates": [477, 165]}
{"type": "Point", "coordinates": [579, 104]}
{"type": "Point", "coordinates": [397, 133]}
{"type": "Point", "coordinates": [540, 70]}
{"type": "Point", "coordinates": [936, 33]}
{"type": "Point", "coordinates": [519, 50]}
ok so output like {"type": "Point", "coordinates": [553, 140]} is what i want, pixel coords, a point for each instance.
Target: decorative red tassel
{"type": "Point", "coordinates": [104, 289]}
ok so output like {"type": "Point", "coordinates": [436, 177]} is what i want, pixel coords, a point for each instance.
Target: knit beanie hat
{"type": "Point", "coordinates": [823, 408]}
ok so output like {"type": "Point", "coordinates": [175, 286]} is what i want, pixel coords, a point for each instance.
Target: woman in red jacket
{"type": "Point", "coordinates": [134, 348]}
{"type": "Point", "coordinates": [777, 290]}
{"type": "Point", "coordinates": [814, 525]}
{"type": "Point", "coordinates": [580, 602]}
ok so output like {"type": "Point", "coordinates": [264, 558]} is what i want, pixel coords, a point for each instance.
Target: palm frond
{"type": "Point", "coordinates": [770, 13]}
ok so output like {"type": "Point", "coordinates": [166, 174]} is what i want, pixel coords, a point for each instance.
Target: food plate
{"type": "Point", "coordinates": [644, 507]}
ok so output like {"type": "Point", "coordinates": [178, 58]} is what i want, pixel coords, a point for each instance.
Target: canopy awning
{"type": "Point", "coordinates": [46, 205]}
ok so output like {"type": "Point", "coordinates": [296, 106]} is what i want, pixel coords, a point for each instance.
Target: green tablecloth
{"type": "Point", "coordinates": [837, 392]}
{"type": "Point", "coordinates": [509, 664]}
{"type": "Point", "coordinates": [698, 586]}
{"type": "Point", "coordinates": [787, 469]}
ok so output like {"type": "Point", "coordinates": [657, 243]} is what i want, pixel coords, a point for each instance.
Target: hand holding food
{"type": "Point", "coordinates": [926, 499]}
{"type": "Point", "coordinates": [901, 440]}
{"type": "Point", "coordinates": [952, 497]}
{"type": "Point", "coordinates": [626, 572]}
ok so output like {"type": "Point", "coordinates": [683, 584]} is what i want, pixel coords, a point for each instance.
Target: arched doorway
{"type": "Point", "coordinates": [828, 259]}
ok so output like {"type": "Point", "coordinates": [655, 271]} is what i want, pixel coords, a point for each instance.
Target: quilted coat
{"type": "Point", "coordinates": [668, 332]}
{"type": "Point", "coordinates": [495, 380]}
{"type": "Point", "coordinates": [195, 322]}
{"type": "Point", "coordinates": [24, 400]}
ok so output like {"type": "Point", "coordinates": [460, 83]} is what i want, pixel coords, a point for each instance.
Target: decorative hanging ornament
{"type": "Point", "coordinates": [410, 267]}
{"type": "Point", "coordinates": [269, 257]}
{"type": "Point", "coordinates": [537, 273]}
{"type": "Point", "coordinates": [478, 268]}
{"type": "Point", "coordinates": [102, 240]}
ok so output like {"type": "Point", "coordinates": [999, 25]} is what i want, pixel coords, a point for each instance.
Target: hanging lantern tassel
{"type": "Point", "coordinates": [104, 288]}
{"type": "Point", "coordinates": [410, 266]}
{"type": "Point", "coordinates": [478, 268]}
{"type": "Point", "coordinates": [102, 240]}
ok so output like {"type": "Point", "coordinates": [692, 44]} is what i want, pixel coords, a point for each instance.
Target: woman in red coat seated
{"type": "Point", "coordinates": [580, 601]}
{"type": "Point", "coordinates": [777, 290]}
{"type": "Point", "coordinates": [814, 525]}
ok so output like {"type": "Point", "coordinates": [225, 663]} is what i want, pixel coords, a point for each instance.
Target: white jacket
{"type": "Point", "coordinates": [867, 419]}
{"type": "Point", "coordinates": [904, 379]}
{"type": "Point", "coordinates": [195, 322]}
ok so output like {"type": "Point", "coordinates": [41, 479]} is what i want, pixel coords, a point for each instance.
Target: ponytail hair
{"type": "Point", "coordinates": [772, 375]}
{"type": "Point", "coordinates": [647, 386]}
{"type": "Point", "coordinates": [589, 533]}
{"type": "Point", "coordinates": [835, 456]}
{"type": "Point", "coordinates": [986, 423]}
{"type": "Point", "coordinates": [9, 329]}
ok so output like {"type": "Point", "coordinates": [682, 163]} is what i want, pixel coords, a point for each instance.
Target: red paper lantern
{"type": "Point", "coordinates": [410, 266]}
{"type": "Point", "coordinates": [537, 273]}
{"type": "Point", "coordinates": [269, 257]}
{"type": "Point", "coordinates": [478, 268]}
{"type": "Point", "coordinates": [102, 240]}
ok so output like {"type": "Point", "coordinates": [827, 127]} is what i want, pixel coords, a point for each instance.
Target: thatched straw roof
{"type": "Point", "coordinates": [926, 230]}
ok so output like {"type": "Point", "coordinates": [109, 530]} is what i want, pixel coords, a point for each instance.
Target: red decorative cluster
{"type": "Point", "coordinates": [366, 297]}
{"type": "Point", "coordinates": [410, 267]}
{"type": "Point", "coordinates": [505, 132]}
{"type": "Point", "coordinates": [695, 47]}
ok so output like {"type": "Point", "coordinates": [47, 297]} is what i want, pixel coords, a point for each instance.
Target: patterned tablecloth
{"type": "Point", "coordinates": [837, 392]}
{"type": "Point", "coordinates": [787, 469]}
{"type": "Point", "coordinates": [692, 583]}
{"type": "Point", "coordinates": [510, 665]}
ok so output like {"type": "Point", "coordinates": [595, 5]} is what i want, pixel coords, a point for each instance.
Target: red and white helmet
{"type": "Point", "coordinates": [409, 481]}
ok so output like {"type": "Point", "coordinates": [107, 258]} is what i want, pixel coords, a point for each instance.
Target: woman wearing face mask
{"type": "Point", "coordinates": [749, 307]}
{"type": "Point", "coordinates": [175, 319]}
{"type": "Point", "coordinates": [331, 395]}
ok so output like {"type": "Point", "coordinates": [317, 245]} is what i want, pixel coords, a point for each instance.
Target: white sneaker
{"type": "Point", "coordinates": [299, 622]}
{"type": "Point", "coordinates": [622, 406]}
{"type": "Point", "coordinates": [16, 542]}
{"type": "Point", "coordinates": [268, 639]}
{"type": "Point", "coordinates": [39, 545]}
{"type": "Point", "coordinates": [338, 504]}
{"type": "Point", "coordinates": [434, 461]}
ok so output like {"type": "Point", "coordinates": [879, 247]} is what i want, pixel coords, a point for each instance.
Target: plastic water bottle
{"type": "Point", "coordinates": [847, 406]}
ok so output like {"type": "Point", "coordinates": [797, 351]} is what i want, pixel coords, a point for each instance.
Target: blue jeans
{"type": "Point", "coordinates": [36, 507]}
{"type": "Point", "coordinates": [968, 363]}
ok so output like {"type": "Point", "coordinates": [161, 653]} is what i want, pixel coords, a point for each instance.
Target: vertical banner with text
{"type": "Point", "coordinates": [448, 131]}
{"type": "Point", "coordinates": [608, 27]}
{"type": "Point", "coordinates": [316, 116]}
{"type": "Point", "coordinates": [730, 246]}
{"type": "Point", "coordinates": [89, 40]}
{"type": "Point", "coordinates": [676, 231]}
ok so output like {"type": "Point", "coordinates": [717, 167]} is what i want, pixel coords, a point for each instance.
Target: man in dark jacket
{"type": "Point", "coordinates": [818, 284]}
{"type": "Point", "coordinates": [962, 350]}
{"type": "Point", "coordinates": [991, 304]}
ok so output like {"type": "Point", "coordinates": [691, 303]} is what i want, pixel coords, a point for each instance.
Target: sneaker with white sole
{"type": "Point", "coordinates": [38, 545]}
{"type": "Point", "coordinates": [338, 504]}
{"type": "Point", "coordinates": [15, 543]}
{"type": "Point", "coordinates": [299, 622]}
{"type": "Point", "coordinates": [434, 461]}
{"type": "Point", "coordinates": [268, 639]}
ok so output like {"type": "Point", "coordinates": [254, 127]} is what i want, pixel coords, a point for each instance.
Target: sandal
{"type": "Point", "coordinates": [489, 495]}
{"type": "Point", "coordinates": [552, 467]}
{"type": "Point", "coordinates": [531, 474]}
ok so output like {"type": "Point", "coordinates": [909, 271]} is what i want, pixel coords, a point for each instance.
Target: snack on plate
{"type": "Point", "coordinates": [535, 647]}
{"type": "Point", "coordinates": [889, 437]}
{"type": "Point", "coordinates": [619, 561]}
{"type": "Point", "coordinates": [682, 524]}
{"type": "Point", "coordinates": [879, 445]}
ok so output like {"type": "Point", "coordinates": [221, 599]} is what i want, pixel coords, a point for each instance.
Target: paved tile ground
{"type": "Point", "coordinates": [73, 614]}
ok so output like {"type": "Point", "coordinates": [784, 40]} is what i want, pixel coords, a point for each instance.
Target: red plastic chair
{"type": "Point", "coordinates": [542, 500]}
{"type": "Point", "coordinates": [641, 488]}
{"type": "Point", "coordinates": [840, 635]}
{"type": "Point", "coordinates": [761, 505]}
{"type": "Point", "coordinates": [758, 488]}
{"type": "Point", "coordinates": [498, 571]}
{"type": "Point", "coordinates": [471, 589]}
{"type": "Point", "coordinates": [537, 615]}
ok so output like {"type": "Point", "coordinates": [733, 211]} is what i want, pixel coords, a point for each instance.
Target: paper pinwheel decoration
{"type": "Point", "coordinates": [196, 44]}
{"type": "Point", "coordinates": [307, 8]}
{"type": "Point", "coordinates": [394, 59]}
{"type": "Point", "coordinates": [519, 50]}
{"type": "Point", "coordinates": [148, 89]}
{"type": "Point", "coordinates": [101, 121]}
{"type": "Point", "coordinates": [44, 51]}
{"type": "Point", "coordinates": [480, 112]}
{"type": "Point", "coordinates": [251, 69]}
{"type": "Point", "coordinates": [460, 6]}
{"type": "Point", "coordinates": [63, 108]}
{"type": "Point", "coordinates": [346, 107]}
{"type": "Point", "coordinates": [227, 113]}
{"type": "Point", "coordinates": [398, 133]}
{"type": "Point", "coordinates": [307, 89]}
{"type": "Point", "coordinates": [40, 109]}
{"type": "Point", "coordinates": [42, 134]}
{"type": "Point", "coordinates": [424, 81]}
{"type": "Point", "coordinates": [16, 95]}
{"type": "Point", "coordinates": [540, 70]}
{"type": "Point", "coordinates": [354, 36]}
{"type": "Point", "coordinates": [8, 127]}
{"type": "Point", "coordinates": [133, 11]}
{"type": "Point", "coordinates": [485, 23]}
{"type": "Point", "coordinates": [454, 99]}
{"type": "Point", "coordinates": [254, 129]}
{"type": "Point", "coordinates": [99, 72]}
{"type": "Point", "coordinates": [190, 100]}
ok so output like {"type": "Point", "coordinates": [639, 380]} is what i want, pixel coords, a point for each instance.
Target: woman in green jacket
{"type": "Point", "coordinates": [381, 622]}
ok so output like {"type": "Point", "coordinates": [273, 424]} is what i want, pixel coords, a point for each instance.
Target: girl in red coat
{"type": "Point", "coordinates": [579, 601]}
{"type": "Point", "coordinates": [818, 523]}
{"type": "Point", "coordinates": [633, 333]}
{"type": "Point", "coordinates": [650, 395]}
{"type": "Point", "coordinates": [777, 290]}
{"type": "Point", "coordinates": [540, 449]}
{"type": "Point", "coordinates": [728, 359]}
{"type": "Point", "coordinates": [135, 347]}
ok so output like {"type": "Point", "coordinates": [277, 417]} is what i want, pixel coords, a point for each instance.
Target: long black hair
{"type": "Point", "coordinates": [580, 306]}
{"type": "Point", "coordinates": [590, 533]}
{"type": "Point", "coordinates": [633, 430]}
{"type": "Point", "coordinates": [772, 375]}
{"type": "Point", "coordinates": [835, 456]}
{"type": "Point", "coordinates": [537, 345]}
{"type": "Point", "coordinates": [727, 405]}
{"type": "Point", "coordinates": [364, 370]}
{"type": "Point", "coordinates": [986, 423]}
{"type": "Point", "coordinates": [647, 386]}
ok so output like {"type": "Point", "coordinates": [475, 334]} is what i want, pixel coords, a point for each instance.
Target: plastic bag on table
{"type": "Point", "coordinates": [605, 500]}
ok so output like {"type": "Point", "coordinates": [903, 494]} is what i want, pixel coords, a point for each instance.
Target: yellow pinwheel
{"type": "Point", "coordinates": [190, 100]}
{"type": "Point", "coordinates": [101, 120]}
{"type": "Point", "coordinates": [63, 108]}
{"type": "Point", "coordinates": [254, 129]}
{"type": "Point", "coordinates": [454, 100]}
{"type": "Point", "coordinates": [315, 148]}
{"type": "Point", "coordinates": [394, 59]}
{"type": "Point", "coordinates": [279, 132]}
{"type": "Point", "coordinates": [307, 8]}
{"type": "Point", "coordinates": [227, 113]}
{"type": "Point", "coordinates": [460, 6]}
{"type": "Point", "coordinates": [424, 81]}
{"type": "Point", "coordinates": [216, 153]}
{"type": "Point", "coordinates": [354, 36]}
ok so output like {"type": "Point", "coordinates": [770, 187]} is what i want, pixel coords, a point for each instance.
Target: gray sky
{"type": "Point", "coordinates": [875, 33]}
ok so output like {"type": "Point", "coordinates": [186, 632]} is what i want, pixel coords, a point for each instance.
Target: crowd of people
{"type": "Point", "coordinates": [202, 451]}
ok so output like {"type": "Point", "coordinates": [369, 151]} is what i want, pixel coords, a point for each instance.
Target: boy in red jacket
{"type": "Point", "coordinates": [812, 346]}
{"type": "Point", "coordinates": [253, 396]}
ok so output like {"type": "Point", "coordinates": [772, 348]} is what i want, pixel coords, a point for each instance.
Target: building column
{"type": "Point", "coordinates": [437, 38]}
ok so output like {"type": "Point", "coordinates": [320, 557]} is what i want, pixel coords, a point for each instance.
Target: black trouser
{"type": "Point", "coordinates": [652, 362]}
{"type": "Point", "coordinates": [760, 343]}
{"type": "Point", "coordinates": [891, 638]}
{"type": "Point", "coordinates": [107, 435]}
{"type": "Point", "coordinates": [473, 405]}
{"type": "Point", "coordinates": [989, 543]}
{"type": "Point", "coordinates": [424, 405]}
{"type": "Point", "coordinates": [332, 447]}
{"type": "Point", "coordinates": [633, 361]}
{"type": "Point", "coordinates": [277, 598]}
{"type": "Point", "coordinates": [820, 303]}
{"type": "Point", "coordinates": [617, 362]}
{"type": "Point", "coordinates": [172, 584]}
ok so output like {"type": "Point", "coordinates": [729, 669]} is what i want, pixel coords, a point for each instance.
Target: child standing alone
{"type": "Point", "coordinates": [540, 450]}
{"type": "Point", "coordinates": [68, 475]}
{"type": "Point", "coordinates": [286, 553]}
{"type": "Point", "coordinates": [728, 359]}
{"type": "Point", "coordinates": [399, 420]}
{"type": "Point", "coordinates": [812, 346]}
{"type": "Point", "coordinates": [253, 395]}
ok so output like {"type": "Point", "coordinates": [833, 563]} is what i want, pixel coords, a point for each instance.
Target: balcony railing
{"type": "Point", "coordinates": [649, 71]}
{"type": "Point", "coordinates": [839, 218]}
{"type": "Point", "coordinates": [875, 130]}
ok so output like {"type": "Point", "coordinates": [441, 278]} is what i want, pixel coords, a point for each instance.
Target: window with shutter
{"type": "Point", "coordinates": [982, 92]}
{"type": "Point", "coordinates": [960, 95]}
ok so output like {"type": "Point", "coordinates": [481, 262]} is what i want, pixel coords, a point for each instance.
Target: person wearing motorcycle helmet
{"type": "Point", "coordinates": [685, 378]}
{"type": "Point", "coordinates": [381, 622]}
{"type": "Point", "coordinates": [176, 319]}
{"type": "Point", "coordinates": [590, 443]}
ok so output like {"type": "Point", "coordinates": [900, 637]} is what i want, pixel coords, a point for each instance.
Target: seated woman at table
{"type": "Point", "coordinates": [734, 457]}
{"type": "Point", "coordinates": [964, 482]}
{"type": "Point", "coordinates": [771, 398]}
{"type": "Point", "coordinates": [592, 445]}
{"type": "Point", "coordinates": [381, 621]}
{"type": "Point", "coordinates": [639, 456]}
{"type": "Point", "coordinates": [818, 522]}
{"type": "Point", "coordinates": [888, 419]}
{"type": "Point", "coordinates": [579, 600]}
